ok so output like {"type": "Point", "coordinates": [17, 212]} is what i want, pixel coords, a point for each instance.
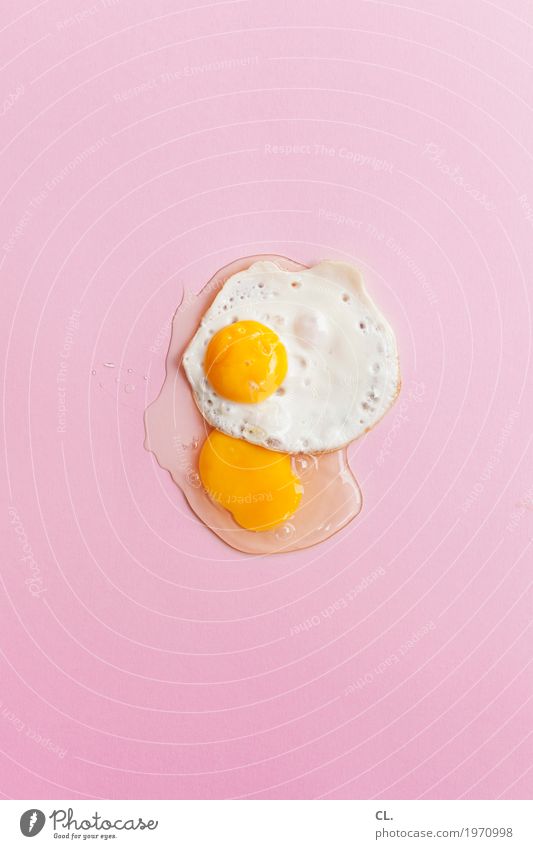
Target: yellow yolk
{"type": "Point", "coordinates": [256, 485]}
{"type": "Point", "coordinates": [246, 362]}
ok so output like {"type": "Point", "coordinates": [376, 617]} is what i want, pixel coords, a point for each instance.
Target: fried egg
{"type": "Point", "coordinates": [293, 360]}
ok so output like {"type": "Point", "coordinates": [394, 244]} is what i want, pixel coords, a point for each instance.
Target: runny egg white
{"type": "Point", "coordinates": [293, 361]}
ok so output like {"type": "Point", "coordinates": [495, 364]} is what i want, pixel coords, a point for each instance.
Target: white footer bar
{"type": "Point", "coordinates": [269, 824]}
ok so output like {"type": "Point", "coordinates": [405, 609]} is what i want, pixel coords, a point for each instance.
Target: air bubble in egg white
{"type": "Point", "coordinates": [285, 532]}
{"type": "Point", "coordinates": [305, 465]}
{"type": "Point", "coordinates": [311, 329]}
{"type": "Point", "coordinates": [193, 479]}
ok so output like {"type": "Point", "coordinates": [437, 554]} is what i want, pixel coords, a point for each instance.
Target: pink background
{"type": "Point", "coordinates": [140, 657]}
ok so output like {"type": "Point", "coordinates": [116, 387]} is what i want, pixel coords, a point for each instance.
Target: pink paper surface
{"type": "Point", "coordinates": [144, 145]}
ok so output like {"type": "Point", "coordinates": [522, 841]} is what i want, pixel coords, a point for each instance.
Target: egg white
{"type": "Point", "coordinates": [343, 372]}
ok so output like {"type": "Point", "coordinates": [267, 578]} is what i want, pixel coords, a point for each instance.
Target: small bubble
{"type": "Point", "coordinates": [285, 532]}
{"type": "Point", "coordinates": [305, 465]}
{"type": "Point", "coordinates": [129, 388]}
{"type": "Point", "coordinates": [130, 371]}
{"type": "Point", "coordinates": [109, 365]}
{"type": "Point", "coordinates": [195, 442]}
{"type": "Point", "coordinates": [93, 371]}
{"type": "Point", "coordinates": [193, 479]}
{"type": "Point", "coordinates": [146, 377]}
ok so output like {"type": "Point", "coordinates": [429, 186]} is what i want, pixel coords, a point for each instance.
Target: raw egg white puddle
{"type": "Point", "coordinates": [175, 432]}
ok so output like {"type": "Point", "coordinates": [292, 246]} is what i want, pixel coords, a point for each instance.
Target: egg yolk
{"type": "Point", "coordinates": [246, 362]}
{"type": "Point", "coordinates": [256, 485]}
